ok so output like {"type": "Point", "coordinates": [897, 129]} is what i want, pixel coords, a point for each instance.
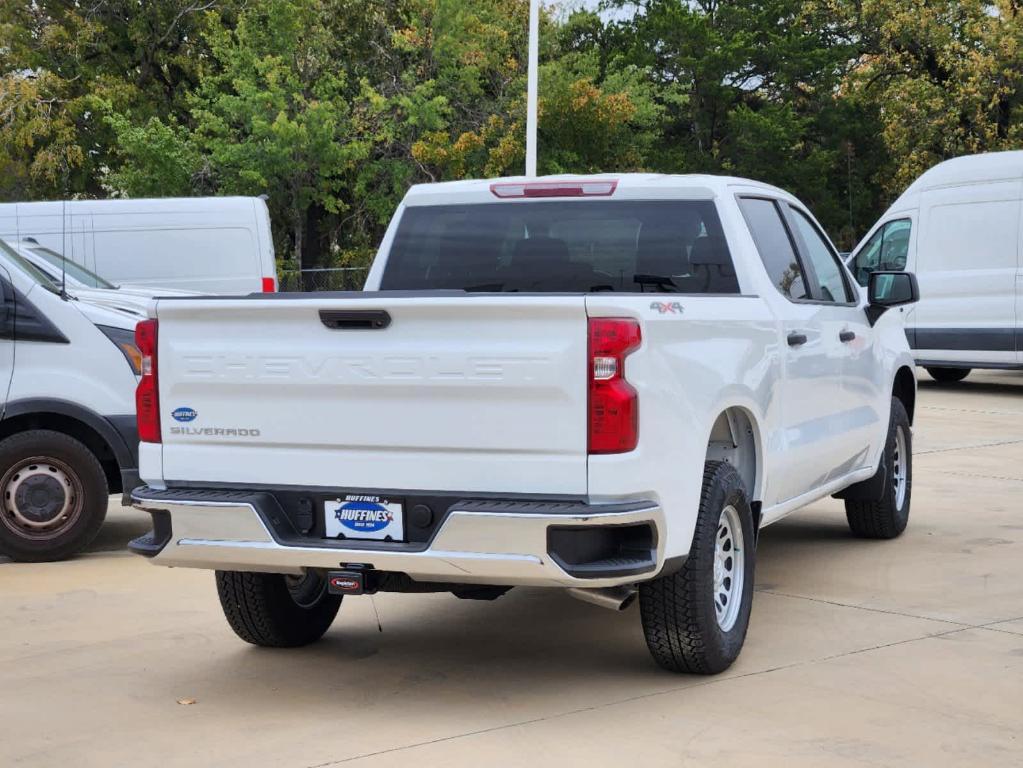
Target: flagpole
{"type": "Point", "coordinates": [531, 87]}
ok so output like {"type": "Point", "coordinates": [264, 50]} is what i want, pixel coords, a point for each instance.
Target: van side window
{"type": "Point", "coordinates": [888, 249]}
{"type": "Point", "coordinates": [776, 249]}
{"type": "Point", "coordinates": [831, 281]}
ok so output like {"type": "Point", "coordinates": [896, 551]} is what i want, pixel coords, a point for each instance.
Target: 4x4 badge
{"type": "Point", "coordinates": [666, 308]}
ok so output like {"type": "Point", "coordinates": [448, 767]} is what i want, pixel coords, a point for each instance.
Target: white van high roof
{"type": "Point", "coordinates": [971, 169]}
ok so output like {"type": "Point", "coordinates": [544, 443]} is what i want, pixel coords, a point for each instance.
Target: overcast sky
{"type": "Point", "coordinates": [567, 6]}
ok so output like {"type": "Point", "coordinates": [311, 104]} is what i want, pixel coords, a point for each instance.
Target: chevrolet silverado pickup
{"type": "Point", "coordinates": [604, 384]}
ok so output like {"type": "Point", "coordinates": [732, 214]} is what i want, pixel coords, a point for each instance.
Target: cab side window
{"type": "Point", "coordinates": [775, 246]}
{"type": "Point", "coordinates": [832, 285]}
{"type": "Point", "coordinates": [888, 249]}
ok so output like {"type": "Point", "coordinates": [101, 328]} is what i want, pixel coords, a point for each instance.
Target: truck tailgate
{"type": "Point", "coordinates": [473, 393]}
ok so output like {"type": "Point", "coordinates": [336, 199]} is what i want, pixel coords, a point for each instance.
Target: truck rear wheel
{"type": "Point", "coordinates": [695, 619]}
{"type": "Point", "coordinates": [53, 493]}
{"type": "Point", "coordinates": [888, 516]}
{"type": "Point", "coordinates": [276, 611]}
{"type": "Point", "coordinates": [948, 375]}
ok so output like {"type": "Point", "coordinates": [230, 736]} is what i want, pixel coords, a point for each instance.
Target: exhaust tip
{"type": "Point", "coordinates": [613, 598]}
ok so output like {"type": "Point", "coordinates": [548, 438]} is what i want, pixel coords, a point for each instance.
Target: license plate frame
{"type": "Point", "coordinates": [364, 518]}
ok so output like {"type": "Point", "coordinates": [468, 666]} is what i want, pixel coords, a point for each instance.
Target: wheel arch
{"type": "Point", "coordinates": [735, 438]}
{"type": "Point", "coordinates": [96, 432]}
{"type": "Point", "coordinates": [904, 388]}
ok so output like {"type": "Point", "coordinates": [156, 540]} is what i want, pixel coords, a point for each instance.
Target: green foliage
{"type": "Point", "coordinates": [65, 64]}
{"type": "Point", "coordinates": [332, 108]}
{"type": "Point", "coordinates": [152, 159]}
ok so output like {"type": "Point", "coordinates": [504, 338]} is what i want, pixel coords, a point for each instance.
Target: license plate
{"type": "Point", "coordinates": [364, 517]}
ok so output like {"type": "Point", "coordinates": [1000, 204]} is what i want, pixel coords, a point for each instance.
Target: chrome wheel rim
{"type": "Point", "coordinates": [42, 498]}
{"type": "Point", "coordinates": [729, 568]}
{"type": "Point", "coordinates": [900, 468]}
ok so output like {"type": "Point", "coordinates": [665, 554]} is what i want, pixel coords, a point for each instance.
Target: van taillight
{"type": "Point", "coordinates": [147, 395]}
{"type": "Point", "coordinates": [614, 406]}
{"type": "Point", "coordinates": [269, 285]}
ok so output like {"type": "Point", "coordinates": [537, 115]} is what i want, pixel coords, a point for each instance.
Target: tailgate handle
{"type": "Point", "coordinates": [355, 319]}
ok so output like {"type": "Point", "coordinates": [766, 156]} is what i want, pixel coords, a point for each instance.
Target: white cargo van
{"type": "Point", "coordinates": [208, 244]}
{"type": "Point", "coordinates": [68, 370]}
{"type": "Point", "coordinates": [958, 228]}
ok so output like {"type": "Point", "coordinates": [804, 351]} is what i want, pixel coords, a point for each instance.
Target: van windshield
{"type": "Point", "coordinates": [666, 246]}
{"type": "Point", "coordinates": [76, 272]}
{"type": "Point", "coordinates": [28, 267]}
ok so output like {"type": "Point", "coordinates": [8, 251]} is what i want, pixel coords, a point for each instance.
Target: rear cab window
{"type": "Point", "coordinates": [776, 247]}
{"type": "Point", "coordinates": [634, 246]}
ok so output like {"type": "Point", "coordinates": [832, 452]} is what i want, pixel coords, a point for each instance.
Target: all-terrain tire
{"type": "Point", "coordinates": [887, 517]}
{"type": "Point", "coordinates": [264, 610]}
{"type": "Point", "coordinates": [53, 496]}
{"type": "Point", "coordinates": [678, 610]}
{"type": "Point", "coordinates": [948, 375]}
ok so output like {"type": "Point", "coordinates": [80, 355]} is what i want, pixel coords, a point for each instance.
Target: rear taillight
{"type": "Point", "coordinates": [269, 285]}
{"type": "Point", "coordinates": [147, 395]}
{"type": "Point", "coordinates": [614, 406]}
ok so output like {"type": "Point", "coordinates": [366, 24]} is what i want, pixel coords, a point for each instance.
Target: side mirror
{"type": "Point", "coordinates": [890, 289]}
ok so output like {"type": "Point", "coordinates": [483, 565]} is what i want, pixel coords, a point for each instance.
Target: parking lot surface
{"type": "Point", "coordinates": [907, 652]}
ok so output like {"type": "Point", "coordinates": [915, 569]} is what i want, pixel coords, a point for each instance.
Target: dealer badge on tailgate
{"type": "Point", "coordinates": [364, 517]}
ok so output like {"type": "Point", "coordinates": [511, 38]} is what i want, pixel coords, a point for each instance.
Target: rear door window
{"type": "Point", "coordinates": [591, 246]}
{"type": "Point", "coordinates": [775, 246]}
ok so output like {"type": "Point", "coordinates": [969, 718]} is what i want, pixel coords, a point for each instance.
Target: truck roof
{"type": "Point", "coordinates": [629, 186]}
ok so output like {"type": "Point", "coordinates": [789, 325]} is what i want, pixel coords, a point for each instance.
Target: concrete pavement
{"type": "Point", "coordinates": [860, 653]}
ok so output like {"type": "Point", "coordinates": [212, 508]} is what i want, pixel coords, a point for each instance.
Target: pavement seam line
{"type": "Point", "coordinates": [992, 626]}
{"type": "Point", "coordinates": [969, 447]}
{"type": "Point", "coordinates": [977, 475]}
{"type": "Point", "coordinates": [963, 624]}
{"type": "Point", "coordinates": [640, 697]}
{"type": "Point", "coordinates": [969, 410]}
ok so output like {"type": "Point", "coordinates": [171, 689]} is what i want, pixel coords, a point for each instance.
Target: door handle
{"type": "Point", "coordinates": [797, 339]}
{"type": "Point", "coordinates": [846, 336]}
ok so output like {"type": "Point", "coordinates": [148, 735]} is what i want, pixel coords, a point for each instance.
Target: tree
{"type": "Point", "coordinates": [945, 77]}
{"type": "Point", "coordinates": [274, 117]}
{"type": "Point", "coordinates": [64, 65]}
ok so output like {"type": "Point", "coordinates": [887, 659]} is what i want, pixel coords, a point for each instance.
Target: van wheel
{"type": "Point", "coordinates": [54, 496]}
{"type": "Point", "coordinates": [277, 611]}
{"type": "Point", "coordinates": [887, 518]}
{"type": "Point", "coordinates": [948, 375]}
{"type": "Point", "coordinates": [695, 619]}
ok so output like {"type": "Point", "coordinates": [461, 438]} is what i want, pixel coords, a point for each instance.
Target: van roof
{"type": "Point", "coordinates": [970, 169]}
{"type": "Point", "coordinates": [629, 186]}
{"type": "Point", "coordinates": [118, 206]}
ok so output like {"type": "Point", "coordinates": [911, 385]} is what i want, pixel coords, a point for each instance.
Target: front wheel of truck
{"type": "Point", "coordinates": [695, 619]}
{"type": "Point", "coordinates": [277, 611]}
{"type": "Point", "coordinates": [887, 517]}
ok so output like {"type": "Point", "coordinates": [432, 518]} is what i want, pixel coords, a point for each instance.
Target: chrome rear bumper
{"type": "Point", "coordinates": [505, 543]}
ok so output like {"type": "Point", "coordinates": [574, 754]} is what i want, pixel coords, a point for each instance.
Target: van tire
{"type": "Point", "coordinates": [276, 611]}
{"type": "Point", "coordinates": [53, 496]}
{"type": "Point", "coordinates": [948, 375]}
{"type": "Point", "coordinates": [679, 611]}
{"type": "Point", "coordinates": [887, 517]}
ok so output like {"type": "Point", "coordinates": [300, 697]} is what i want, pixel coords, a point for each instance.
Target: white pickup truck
{"type": "Point", "coordinates": [605, 384]}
